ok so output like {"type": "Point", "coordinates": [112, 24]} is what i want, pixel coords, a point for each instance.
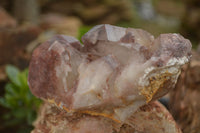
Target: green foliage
{"type": "Point", "coordinates": [82, 31]}
{"type": "Point", "coordinates": [22, 105]}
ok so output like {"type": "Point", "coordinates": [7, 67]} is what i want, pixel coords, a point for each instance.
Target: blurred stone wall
{"type": "Point", "coordinates": [190, 27]}
{"type": "Point", "coordinates": [92, 11]}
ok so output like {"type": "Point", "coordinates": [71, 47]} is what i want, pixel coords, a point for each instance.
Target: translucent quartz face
{"type": "Point", "coordinates": [114, 72]}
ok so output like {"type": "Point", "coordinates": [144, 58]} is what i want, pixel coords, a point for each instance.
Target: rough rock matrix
{"type": "Point", "coordinates": [151, 118]}
{"type": "Point", "coordinates": [115, 72]}
{"type": "Point", "coordinates": [186, 94]}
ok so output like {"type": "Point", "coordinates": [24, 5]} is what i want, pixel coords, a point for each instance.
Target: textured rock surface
{"type": "Point", "coordinates": [152, 118]}
{"type": "Point", "coordinates": [186, 94]}
{"type": "Point", "coordinates": [116, 71]}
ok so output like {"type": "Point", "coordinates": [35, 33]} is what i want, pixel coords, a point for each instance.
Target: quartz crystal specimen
{"type": "Point", "coordinates": [112, 75]}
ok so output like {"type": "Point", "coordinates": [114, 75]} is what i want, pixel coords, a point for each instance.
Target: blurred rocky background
{"type": "Point", "coordinates": [24, 24]}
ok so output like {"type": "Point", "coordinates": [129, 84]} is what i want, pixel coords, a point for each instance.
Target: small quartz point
{"type": "Point", "coordinates": [113, 74]}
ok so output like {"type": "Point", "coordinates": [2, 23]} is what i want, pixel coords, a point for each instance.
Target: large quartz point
{"type": "Point", "coordinates": [115, 72]}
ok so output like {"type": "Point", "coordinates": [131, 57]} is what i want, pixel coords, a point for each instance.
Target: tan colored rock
{"type": "Point", "coordinates": [93, 11]}
{"type": "Point", "coordinates": [13, 43]}
{"type": "Point", "coordinates": [186, 94]}
{"type": "Point", "coordinates": [53, 24]}
{"type": "Point", "coordinates": [60, 24]}
{"type": "Point", "coordinates": [6, 21]}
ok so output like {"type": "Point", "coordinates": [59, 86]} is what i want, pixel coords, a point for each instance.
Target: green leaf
{"type": "Point", "coordinates": [30, 116]}
{"type": "Point", "coordinates": [12, 73]}
{"type": "Point", "coordinates": [22, 76]}
{"type": "Point", "coordinates": [11, 89]}
{"type": "Point", "coordinates": [11, 101]}
{"type": "Point", "coordinates": [22, 103]}
{"type": "Point", "coordinates": [4, 103]}
{"type": "Point", "coordinates": [20, 113]}
{"type": "Point", "coordinates": [82, 31]}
